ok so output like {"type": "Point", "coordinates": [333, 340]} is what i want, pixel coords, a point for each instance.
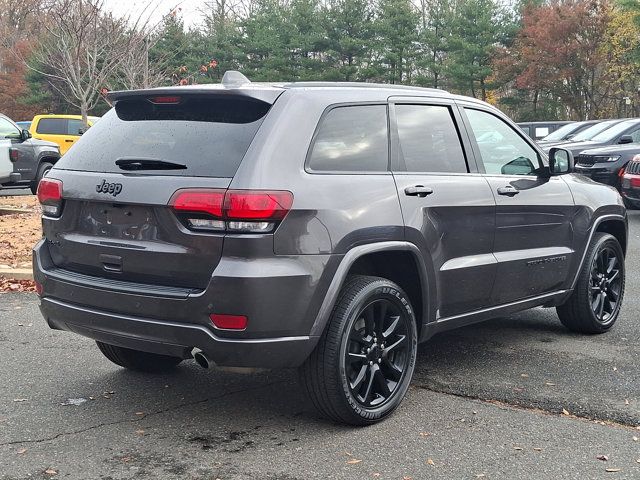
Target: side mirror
{"type": "Point", "coordinates": [25, 135]}
{"type": "Point", "coordinates": [560, 161]}
{"type": "Point", "coordinates": [81, 131]}
{"type": "Point", "coordinates": [625, 139]}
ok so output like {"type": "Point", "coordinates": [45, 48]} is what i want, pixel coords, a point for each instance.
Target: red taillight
{"type": "Point", "coordinates": [167, 99]}
{"type": "Point", "coordinates": [621, 172]}
{"type": "Point", "coordinates": [50, 196]}
{"type": "Point", "coordinates": [204, 201]}
{"type": "Point", "coordinates": [250, 211]}
{"type": "Point", "coordinates": [635, 181]}
{"type": "Point", "coordinates": [14, 154]}
{"type": "Point", "coordinates": [228, 322]}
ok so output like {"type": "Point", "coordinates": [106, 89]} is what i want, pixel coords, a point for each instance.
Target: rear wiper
{"type": "Point", "coordinates": [147, 164]}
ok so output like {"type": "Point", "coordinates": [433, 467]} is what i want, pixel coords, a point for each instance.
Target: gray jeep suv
{"type": "Point", "coordinates": [330, 227]}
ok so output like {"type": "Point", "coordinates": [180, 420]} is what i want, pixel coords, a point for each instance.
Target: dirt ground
{"type": "Point", "coordinates": [19, 232]}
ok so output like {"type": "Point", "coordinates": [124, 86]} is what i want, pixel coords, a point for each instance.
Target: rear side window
{"type": "Point", "coordinates": [74, 127]}
{"type": "Point", "coordinates": [352, 139]}
{"type": "Point", "coordinates": [52, 126]}
{"type": "Point", "coordinates": [207, 134]}
{"type": "Point", "coordinates": [429, 140]}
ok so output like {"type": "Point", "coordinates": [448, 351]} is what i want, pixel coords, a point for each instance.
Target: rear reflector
{"type": "Point", "coordinates": [243, 211]}
{"type": "Point", "coordinates": [50, 196]}
{"type": "Point", "coordinates": [228, 322]}
{"type": "Point", "coordinates": [14, 154]}
{"type": "Point", "coordinates": [38, 288]}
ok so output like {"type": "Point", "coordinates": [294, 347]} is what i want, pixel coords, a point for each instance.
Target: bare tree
{"type": "Point", "coordinates": [83, 47]}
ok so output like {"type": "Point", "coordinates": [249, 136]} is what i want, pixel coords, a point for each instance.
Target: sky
{"type": "Point", "coordinates": [189, 8]}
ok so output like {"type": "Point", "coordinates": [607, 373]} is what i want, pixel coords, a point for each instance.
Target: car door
{"type": "Point", "coordinates": [534, 211]}
{"type": "Point", "coordinates": [448, 208]}
{"type": "Point", "coordinates": [23, 152]}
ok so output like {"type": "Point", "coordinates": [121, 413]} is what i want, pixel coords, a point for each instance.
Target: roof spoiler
{"type": "Point", "coordinates": [233, 83]}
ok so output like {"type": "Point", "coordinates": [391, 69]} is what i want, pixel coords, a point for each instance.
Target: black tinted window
{"type": "Point", "coordinates": [52, 126]}
{"type": "Point", "coordinates": [429, 141]}
{"type": "Point", "coordinates": [352, 139]}
{"type": "Point", "coordinates": [210, 135]}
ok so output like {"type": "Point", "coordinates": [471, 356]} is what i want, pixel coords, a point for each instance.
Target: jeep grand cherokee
{"type": "Point", "coordinates": [326, 226]}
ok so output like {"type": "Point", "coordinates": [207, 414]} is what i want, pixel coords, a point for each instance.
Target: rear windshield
{"type": "Point", "coordinates": [208, 135]}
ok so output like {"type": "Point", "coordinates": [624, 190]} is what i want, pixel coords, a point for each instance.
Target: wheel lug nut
{"type": "Point", "coordinates": [370, 363]}
{"type": "Point", "coordinates": [379, 360]}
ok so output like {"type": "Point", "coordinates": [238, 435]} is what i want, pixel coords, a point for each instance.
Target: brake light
{"type": "Point", "coordinates": [229, 322]}
{"type": "Point", "coordinates": [166, 99]}
{"type": "Point", "coordinates": [248, 211]}
{"type": "Point", "coordinates": [635, 182]}
{"type": "Point", "coordinates": [14, 154]}
{"type": "Point", "coordinates": [621, 172]}
{"type": "Point", "coordinates": [50, 196]}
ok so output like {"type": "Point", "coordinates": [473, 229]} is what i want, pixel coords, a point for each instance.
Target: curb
{"type": "Point", "coordinates": [17, 273]}
{"type": "Point", "coordinates": [14, 210]}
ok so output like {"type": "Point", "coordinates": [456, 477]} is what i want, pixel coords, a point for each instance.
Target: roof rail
{"type": "Point", "coordinates": [233, 78]}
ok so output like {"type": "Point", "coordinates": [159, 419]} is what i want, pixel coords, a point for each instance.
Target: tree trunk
{"type": "Point", "coordinates": [84, 111]}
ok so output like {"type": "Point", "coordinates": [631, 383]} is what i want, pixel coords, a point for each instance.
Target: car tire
{"type": "Point", "coordinates": [42, 171]}
{"type": "Point", "coordinates": [348, 383]}
{"type": "Point", "coordinates": [138, 360]}
{"type": "Point", "coordinates": [594, 305]}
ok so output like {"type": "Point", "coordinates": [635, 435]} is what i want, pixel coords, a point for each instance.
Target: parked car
{"type": "Point", "coordinates": [586, 135]}
{"type": "Point", "coordinates": [606, 164]}
{"type": "Point", "coordinates": [31, 159]}
{"type": "Point", "coordinates": [24, 124]}
{"type": "Point", "coordinates": [631, 183]}
{"type": "Point", "coordinates": [566, 132]}
{"type": "Point", "coordinates": [621, 133]}
{"type": "Point", "coordinates": [6, 166]}
{"type": "Point", "coordinates": [64, 130]}
{"type": "Point", "coordinates": [539, 130]}
{"type": "Point", "coordinates": [325, 226]}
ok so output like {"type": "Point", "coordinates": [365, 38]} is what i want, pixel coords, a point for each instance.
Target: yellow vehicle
{"type": "Point", "coordinates": [61, 129]}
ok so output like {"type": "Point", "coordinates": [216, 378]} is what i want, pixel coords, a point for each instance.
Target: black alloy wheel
{"type": "Point", "coordinates": [377, 352]}
{"type": "Point", "coordinates": [606, 285]}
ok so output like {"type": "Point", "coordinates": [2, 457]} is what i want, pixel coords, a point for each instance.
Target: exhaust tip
{"type": "Point", "coordinates": [201, 358]}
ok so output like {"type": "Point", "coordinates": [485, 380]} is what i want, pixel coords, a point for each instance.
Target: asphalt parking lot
{"type": "Point", "coordinates": [487, 401]}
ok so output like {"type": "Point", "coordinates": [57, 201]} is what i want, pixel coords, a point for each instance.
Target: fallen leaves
{"type": "Point", "coordinates": [431, 462]}
{"type": "Point", "coordinates": [21, 451]}
{"type": "Point", "coordinates": [19, 232]}
{"type": "Point", "coordinates": [51, 471]}
{"type": "Point", "coordinates": [604, 458]}
{"type": "Point", "coordinates": [353, 461]}
{"type": "Point", "coordinates": [20, 399]}
{"type": "Point", "coordinates": [612, 470]}
{"type": "Point", "coordinates": [10, 285]}
{"type": "Point", "coordinates": [565, 411]}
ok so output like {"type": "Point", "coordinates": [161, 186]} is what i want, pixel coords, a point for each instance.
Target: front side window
{"type": "Point", "coordinates": [502, 150]}
{"type": "Point", "coordinates": [52, 126]}
{"type": "Point", "coordinates": [428, 140]}
{"type": "Point", "coordinates": [8, 130]}
{"type": "Point", "coordinates": [352, 139]}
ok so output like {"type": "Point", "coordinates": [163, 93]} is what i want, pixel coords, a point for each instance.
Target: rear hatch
{"type": "Point", "coordinates": [120, 177]}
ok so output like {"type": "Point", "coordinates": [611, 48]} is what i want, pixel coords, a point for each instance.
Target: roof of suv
{"type": "Point", "coordinates": [269, 91]}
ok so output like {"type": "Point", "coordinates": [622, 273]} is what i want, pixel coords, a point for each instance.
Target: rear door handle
{"type": "Point", "coordinates": [508, 191]}
{"type": "Point", "coordinates": [418, 191]}
{"type": "Point", "coordinates": [69, 141]}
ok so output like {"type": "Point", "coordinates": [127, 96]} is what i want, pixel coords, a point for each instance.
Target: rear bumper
{"type": "Point", "coordinates": [176, 339]}
{"type": "Point", "coordinates": [281, 297]}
